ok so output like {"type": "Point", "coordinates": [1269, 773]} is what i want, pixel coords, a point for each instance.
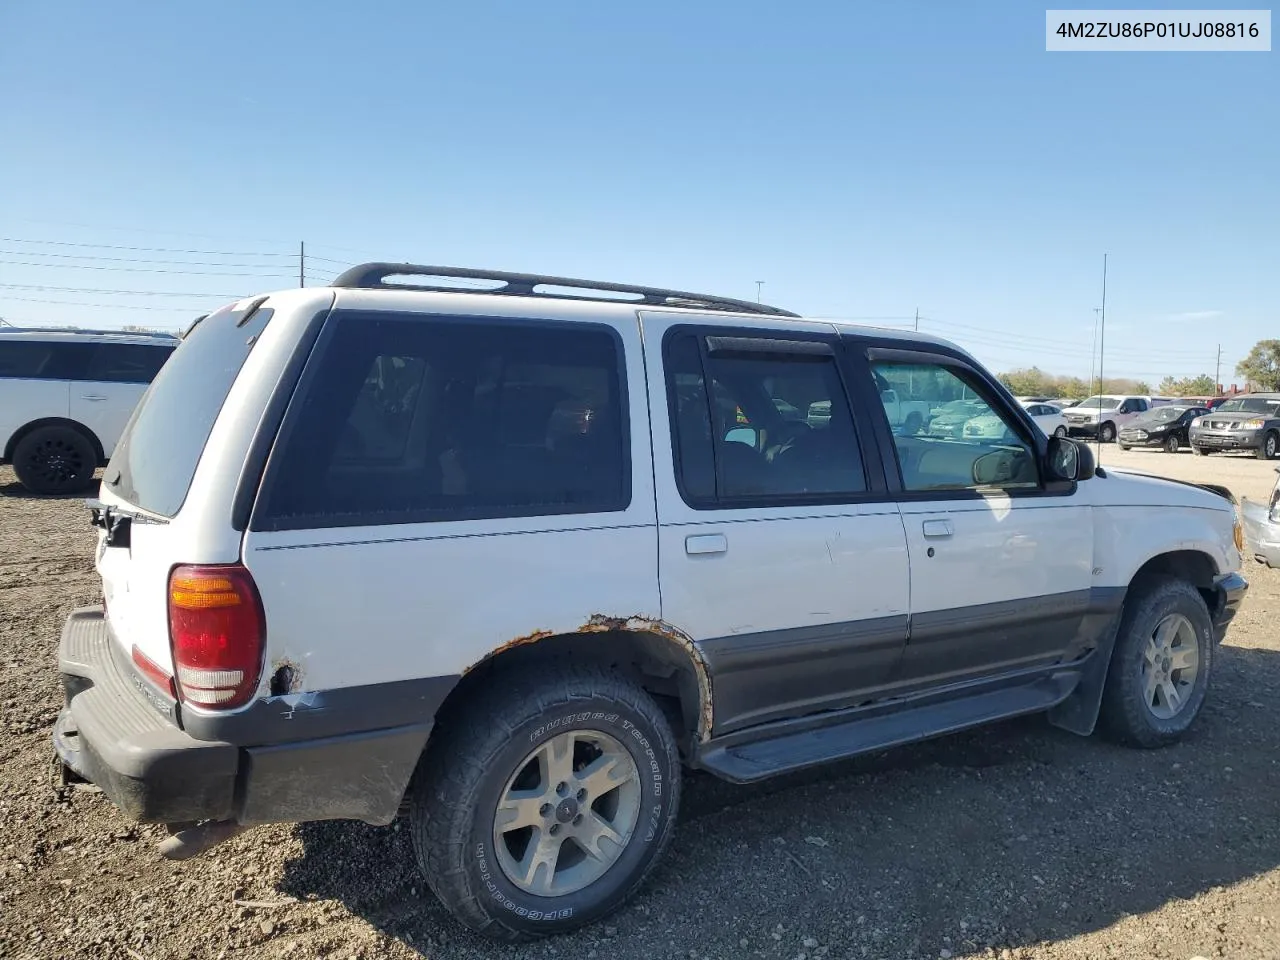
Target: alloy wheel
{"type": "Point", "coordinates": [1170, 665]}
{"type": "Point", "coordinates": [567, 813]}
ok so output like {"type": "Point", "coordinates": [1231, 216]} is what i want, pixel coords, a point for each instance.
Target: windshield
{"type": "Point", "coordinates": [1100, 402]}
{"type": "Point", "coordinates": [155, 462]}
{"type": "Point", "coordinates": [1250, 405]}
{"type": "Point", "coordinates": [1163, 414]}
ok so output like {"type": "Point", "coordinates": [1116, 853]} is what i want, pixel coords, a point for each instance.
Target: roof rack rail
{"type": "Point", "coordinates": [373, 276]}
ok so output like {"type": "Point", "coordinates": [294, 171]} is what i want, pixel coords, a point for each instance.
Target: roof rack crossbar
{"type": "Point", "coordinates": [373, 276]}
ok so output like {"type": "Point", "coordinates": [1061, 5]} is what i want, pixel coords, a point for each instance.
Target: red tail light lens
{"type": "Point", "coordinates": [217, 631]}
{"type": "Point", "coordinates": [154, 672]}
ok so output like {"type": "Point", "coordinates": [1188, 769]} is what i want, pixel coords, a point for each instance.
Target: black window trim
{"type": "Point", "coordinates": [997, 397]}
{"type": "Point", "coordinates": [260, 522]}
{"type": "Point", "coordinates": [757, 343]}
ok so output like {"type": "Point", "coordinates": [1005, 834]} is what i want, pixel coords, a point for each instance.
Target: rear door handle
{"type": "Point", "coordinates": [92, 397]}
{"type": "Point", "coordinates": [934, 529]}
{"type": "Point", "coordinates": [706, 543]}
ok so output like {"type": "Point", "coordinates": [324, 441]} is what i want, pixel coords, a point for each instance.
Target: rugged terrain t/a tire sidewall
{"type": "Point", "coordinates": [1125, 714]}
{"type": "Point", "coordinates": [479, 892]}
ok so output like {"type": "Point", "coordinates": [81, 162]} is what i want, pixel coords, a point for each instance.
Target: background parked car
{"type": "Point", "coordinates": [65, 397]}
{"type": "Point", "coordinates": [1262, 527]}
{"type": "Point", "coordinates": [1103, 415]}
{"type": "Point", "coordinates": [1248, 422]}
{"type": "Point", "coordinates": [949, 419]}
{"type": "Point", "coordinates": [1165, 427]}
{"type": "Point", "coordinates": [1211, 403]}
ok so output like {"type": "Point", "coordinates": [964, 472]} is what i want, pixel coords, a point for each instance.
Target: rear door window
{"type": "Point", "coordinates": [156, 459]}
{"type": "Point", "coordinates": [126, 362]}
{"type": "Point", "coordinates": [412, 418]}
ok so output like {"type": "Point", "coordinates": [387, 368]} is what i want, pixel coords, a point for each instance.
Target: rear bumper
{"type": "Point", "coordinates": [1262, 534]}
{"type": "Point", "coordinates": [1083, 429]}
{"type": "Point", "coordinates": [112, 733]}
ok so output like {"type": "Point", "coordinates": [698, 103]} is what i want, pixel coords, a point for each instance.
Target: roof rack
{"type": "Point", "coordinates": [92, 331]}
{"type": "Point", "coordinates": [373, 276]}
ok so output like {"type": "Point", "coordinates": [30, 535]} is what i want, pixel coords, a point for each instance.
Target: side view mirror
{"type": "Point", "coordinates": [1070, 460]}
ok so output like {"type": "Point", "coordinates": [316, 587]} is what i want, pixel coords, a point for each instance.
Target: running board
{"type": "Point", "coordinates": [788, 752]}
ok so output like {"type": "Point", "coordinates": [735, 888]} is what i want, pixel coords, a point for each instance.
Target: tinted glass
{"type": "Point", "coordinates": [962, 444]}
{"type": "Point", "coordinates": [405, 419]}
{"type": "Point", "coordinates": [42, 360]}
{"type": "Point", "coordinates": [156, 459]}
{"type": "Point", "coordinates": [770, 430]}
{"type": "Point", "coordinates": [126, 362]}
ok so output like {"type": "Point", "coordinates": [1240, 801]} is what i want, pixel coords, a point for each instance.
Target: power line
{"type": "Point", "coordinates": [105, 306]}
{"type": "Point", "coordinates": [116, 269]}
{"type": "Point", "coordinates": [170, 263]}
{"type": "Point", "coordinates": [113, 246]}
{"type": "Point", "coordinates": [134, 293]}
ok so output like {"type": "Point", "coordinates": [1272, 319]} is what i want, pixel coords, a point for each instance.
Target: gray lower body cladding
{"type": "Point", "coordinates": [341, 760]}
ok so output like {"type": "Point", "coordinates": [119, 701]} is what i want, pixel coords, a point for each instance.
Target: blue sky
{"type": "Point", "coordinates": [863, 159]}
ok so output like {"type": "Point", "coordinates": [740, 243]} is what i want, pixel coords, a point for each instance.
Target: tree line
{"type": "Point", "coordinates": [1260, 370]}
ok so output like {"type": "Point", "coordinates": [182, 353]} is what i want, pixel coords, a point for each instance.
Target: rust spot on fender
{"type": "Point", "coordinates": [603, 623]}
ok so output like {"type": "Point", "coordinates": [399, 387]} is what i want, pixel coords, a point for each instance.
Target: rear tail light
{"type": "Point", "coordinates": [154, 672]}
{"type": "Point", "coordinates": [217, 631]}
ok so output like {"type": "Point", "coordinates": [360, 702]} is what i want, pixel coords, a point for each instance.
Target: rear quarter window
{"type": "Point", "coordinates": [157, 456]}
{"type": "Point", "coordinates": [404, 418]}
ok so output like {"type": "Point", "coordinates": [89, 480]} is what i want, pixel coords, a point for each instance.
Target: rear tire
{"type": "Point", "coordinates": [1107, 432]}
{"type": "Point", "coordinates": [1268, 448]}
{"type": "Point", "coordinates": [523, 749]}
{"type": "Point", "coordinates": [913, 424]}
{"type": "Point", "coordinates": [1060, 431]}
{"type": "Point", "coordinates": [1160, 667]}
{"type": "Point", "coordinates": [1125, 446]}
{"type": "Point", "coordinates": [55, 459]}
{"type": "Point", "coordinates": [1171, 444]}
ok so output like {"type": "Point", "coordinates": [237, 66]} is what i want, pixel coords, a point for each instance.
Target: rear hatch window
{"type": "Point", "coordinates": [155, 461]}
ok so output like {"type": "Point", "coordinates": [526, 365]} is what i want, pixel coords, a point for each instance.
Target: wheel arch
{"type": "Point", "coordinates": [660, 658]}
{"type": "Point", "coordinates": [1194, 566]}
{"type": "Point", "coordinates": [76, 425]}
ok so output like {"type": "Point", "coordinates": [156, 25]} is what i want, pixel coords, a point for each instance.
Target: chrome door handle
{"type": "Point", "coordinates": [938, 528]}
{"type": "Point", "coordinates": [92, 397]}
{"type": "Point", "coordinates": [706, 543]}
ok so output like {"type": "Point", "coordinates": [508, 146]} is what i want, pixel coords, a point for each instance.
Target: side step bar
{"type": "Point", "coordinates": [789, 752]}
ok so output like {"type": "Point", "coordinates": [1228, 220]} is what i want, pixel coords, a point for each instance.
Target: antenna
{"type": "Point", "coordinates": [1102, 349]}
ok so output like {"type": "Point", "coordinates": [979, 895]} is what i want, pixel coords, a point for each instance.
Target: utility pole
{"type": "Point", "coordinates": [1093, 356]}
{"type": "Point", "coordinates": [302, 263]}
{"type": "Point", "coordinates": [759, 284]}
{"type": "Point", "coordinates": [1217, 373]}
{"type": "Point", "coordinates": [917, 319]}
{"type": "Point", "coordinates": [1102, 350]}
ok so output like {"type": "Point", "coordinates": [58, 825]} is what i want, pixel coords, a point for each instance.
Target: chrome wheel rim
{"type": "Point", "coordinates": [567, 813]}
{"type": "Point", "coordinates": [1170, 665]}
{"type": "Point", "coordinates": [1060, 432]}
{"type": "Point", "coordinates": [1271, 447]}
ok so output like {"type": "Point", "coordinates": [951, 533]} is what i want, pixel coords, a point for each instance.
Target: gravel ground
{"type": "Point", "coordinates": [1014, 841]}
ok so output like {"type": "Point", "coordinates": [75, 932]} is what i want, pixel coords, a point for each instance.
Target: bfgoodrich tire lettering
{"type": "Point", "coordinates": [1129, 714]}
{"type": "Point", "coordinates": [468, 771]}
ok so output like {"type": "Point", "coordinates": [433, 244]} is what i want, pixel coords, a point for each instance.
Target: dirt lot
{"type": "Point", "coordinates": [1015, 841]}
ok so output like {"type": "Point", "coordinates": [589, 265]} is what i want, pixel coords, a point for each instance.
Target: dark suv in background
{"type": "Point", "coordinates": [1250, 422]}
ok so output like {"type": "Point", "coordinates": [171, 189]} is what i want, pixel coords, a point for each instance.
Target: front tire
{"type": "Point", "coordinates": [1268, 448]}
{"type": "Point", "coordinates": [1199, 451]}
{"type": "Point", "coordinates": [1171, 444]}
{"type": "Point", "coordinates": [1107, 432]}
{"type": "Point", "coordinates": [544, 803]}
{"type": "Point", "coordinates": [1060, 431]}
{"type": "Point", "coordinates": [55, 459]}
{"type": "Point", "coordinates": [1125, 446]}
{"type": "Point", "coordinates": [1161, 664]}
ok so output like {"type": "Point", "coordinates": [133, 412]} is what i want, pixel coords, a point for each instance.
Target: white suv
{"type": "Point", "coordinates": [65, 397]}
{"type": "Point", "coordinates": [512, 557]}
{"type": "Point", "coordinates": [1103, 416]}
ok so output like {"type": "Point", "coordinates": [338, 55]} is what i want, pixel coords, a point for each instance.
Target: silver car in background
{"type": "Point", "coordinates": [1262, 526]}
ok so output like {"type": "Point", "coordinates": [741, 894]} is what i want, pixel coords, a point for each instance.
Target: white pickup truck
{"type": "Point", "coordinates": [905, 416]}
